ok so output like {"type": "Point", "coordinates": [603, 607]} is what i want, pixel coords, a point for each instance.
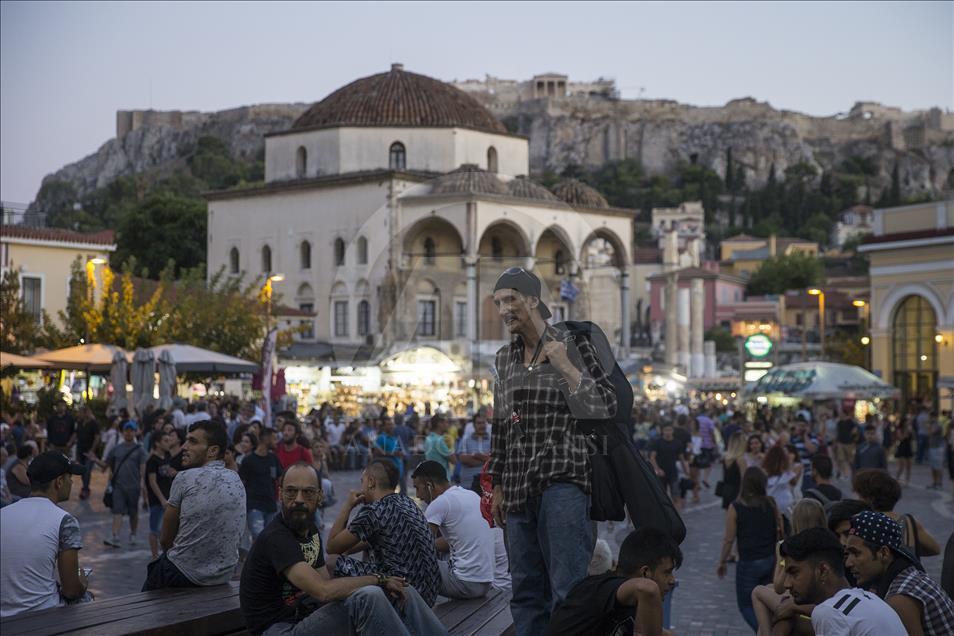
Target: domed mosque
{"type": "Point", "coordinates": [392, 205]}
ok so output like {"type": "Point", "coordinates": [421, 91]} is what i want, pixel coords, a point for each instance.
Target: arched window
{"type": "Point", "coordinates": [364, 318]}
{"type": "Point", "coordinates": [339, 252]}
{"type": "Point", "coordinates": [397, 156]}
{"type": "Point", "coordinates": [234, 260]}
{"type": "Point", "coordinates": [496, 248]}
{"type": "Point", "coordinates": [429, 250]}
{"type": "Point", "coordinates": [301, 162]}
{"type": "Point", "coordinates": [266, 259]}
{"type": "Point", "coordinates": [914, 350]}
{"type": "Point", "coordinates": [362, 251]}
{"type": "Point", "coordinates": [492, 159]}
{"type": "Point", "coordinates": [559, 263]}
{"type": "Point", "coordinates": [305, 255]}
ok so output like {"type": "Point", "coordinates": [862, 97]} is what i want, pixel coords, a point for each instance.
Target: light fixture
{"type": "Point", "coordinates": [98, 260]}
{"type": "Point", "coordinates": [938, 338]}
{"type": "Point", "coordinates": [814, 291]}
{"type": "Point", "coordinates": [857, 303]}
{"type": "Point", "coordinates": [923, 357]}
{"type": "Point", "coordinates": [865, 340]}
{"type": "Point", "coordinates": [276, 278]}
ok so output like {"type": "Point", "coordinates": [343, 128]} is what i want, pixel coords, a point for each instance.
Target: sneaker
{"type": "Point", "coordinates": [132, 540]}
{"type": "Point", "coordinates": [113, 542]}
{"type": "Point", "coordinates": [84, 494]}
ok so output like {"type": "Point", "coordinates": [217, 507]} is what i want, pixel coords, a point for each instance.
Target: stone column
{"type": "Point", "coordinates": [697, 327]}
{"type": "Point", "coordinates": [672, 344]}
{"type": "Point", "coordinates": [709, 351]}
{"type": "Point", "coordinates": [470, 266]}
{"type": "Point", "coordinates": [682, 327]}
{"type": "Point", "coordinates": [624, 312]}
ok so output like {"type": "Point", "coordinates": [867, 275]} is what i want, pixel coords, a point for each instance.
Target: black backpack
{"type": "Point", "coordinates": [620, 475]}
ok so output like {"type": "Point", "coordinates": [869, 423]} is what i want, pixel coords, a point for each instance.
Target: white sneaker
{"type": "Point", "coordinates": [132, 540]}
{"type": "Point", "coordinates": [112, 542]}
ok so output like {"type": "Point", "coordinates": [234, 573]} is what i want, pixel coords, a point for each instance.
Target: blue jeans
{"type": "Point", "coordinates": [922, 448]}
{"type": "Point", "coordinates": [667, 607]}
{"type": "Point", "coordinates": [550, 543]}
{"type": "Point", "coordinates": [748, 576]}
{"type": "Point", "coordinates": [366, 611]}
{"type": "Point", "coordinates": [257, 520]}
{"type": "Point", "coordinates": [156, 513]}
{"type": "Point", "coordinates": [87, 464]}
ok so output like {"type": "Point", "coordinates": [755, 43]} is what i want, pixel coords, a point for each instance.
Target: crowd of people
{"type": "Point", "coordinates": [501, 500]}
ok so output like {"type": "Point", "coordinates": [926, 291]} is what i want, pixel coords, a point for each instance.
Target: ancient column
{"type": "Point", "coordinates": [697, 327]}
{"type": "Point", "coordinates": [624, 312]}
{"type": "Point", "coordinates": [709, 350]}
{"type": "Point", "coordinates": [470, 266]}
{"type": "Point", "coordinates": [682, 327]}
{"type": "Point", "coordinates": [669, 311]}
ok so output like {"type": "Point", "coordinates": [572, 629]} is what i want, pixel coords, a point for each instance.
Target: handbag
{"type": "Point", "coordinates": [108, 493]}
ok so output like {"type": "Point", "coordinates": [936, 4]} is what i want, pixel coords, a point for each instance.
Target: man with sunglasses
{"type": "Point", "coordinates": [546, 380]}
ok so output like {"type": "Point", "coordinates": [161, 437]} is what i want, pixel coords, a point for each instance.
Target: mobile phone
{"type": "Point", "coordinates": [86, 571]}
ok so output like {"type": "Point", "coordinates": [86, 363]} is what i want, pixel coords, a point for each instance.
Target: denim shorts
{"type": "Point", "coordinates": [155, 519]}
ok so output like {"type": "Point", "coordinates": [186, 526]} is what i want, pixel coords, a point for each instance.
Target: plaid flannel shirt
{"type": "Point", "coordinates": [536, 442]}
{"type": "Point", "coordinates": [937, 606]}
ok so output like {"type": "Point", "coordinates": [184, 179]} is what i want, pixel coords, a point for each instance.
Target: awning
{"type": "Point", "coordinates": [92, 357]}
{"type": "Point", "coordinates": [21, 362]}
{"type": "Point", "coordinates": [189, 358]}
{"type": "Point", "coordinates": [822, 381]}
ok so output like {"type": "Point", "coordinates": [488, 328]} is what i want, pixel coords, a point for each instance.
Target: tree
{"type": "Point", "coordinates": [895, 196]}
{"type": "Point", "coordinates": [781, 273]}
{"type": "Point", "coordinates": [20, 331]}
{"type": "Point", "coordinates": [724, 341]}
{"type": "Point", "coordinates": [817, 228]}
{"type": "Point", "coordinates": [165, 226]}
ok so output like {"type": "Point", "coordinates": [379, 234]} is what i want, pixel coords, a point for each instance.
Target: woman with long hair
{"type": "Point", "coordinates": [733, 463]}
{"type": "Point", "coordinates": [781, 478]}
{"type": "Point", "coordinates": [754, 523]}
{"type": "Point", "coordinates": [755, 450]}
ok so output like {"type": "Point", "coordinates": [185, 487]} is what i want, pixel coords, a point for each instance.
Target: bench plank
{"type": "Point", "coordinates": [492, 619]}
{"type": "Point", "coordinates": [454, 612]}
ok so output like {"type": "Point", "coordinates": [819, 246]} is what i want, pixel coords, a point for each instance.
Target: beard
{"type": "Point", "coordinates": [298, 517]}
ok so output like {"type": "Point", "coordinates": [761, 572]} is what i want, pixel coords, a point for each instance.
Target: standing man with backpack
{"type": "Point", "coordinates": [546, 381]}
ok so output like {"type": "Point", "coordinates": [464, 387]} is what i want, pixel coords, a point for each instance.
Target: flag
{"type": "Point", "coordinates": [268, 352]}
{"type": "Point", "coordinates": [567, 291]}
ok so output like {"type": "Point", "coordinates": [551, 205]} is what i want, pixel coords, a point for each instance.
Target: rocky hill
{"type": "Point", "coordinates": [590, 131]}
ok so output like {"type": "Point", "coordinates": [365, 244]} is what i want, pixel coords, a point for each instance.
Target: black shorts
{"type": "Point", "coordinates": [704, 459]}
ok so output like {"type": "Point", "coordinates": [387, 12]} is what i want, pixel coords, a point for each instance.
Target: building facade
{"type": "Point", "coordinates": [911, 256]}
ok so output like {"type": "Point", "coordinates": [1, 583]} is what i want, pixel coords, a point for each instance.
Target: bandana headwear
{"type": "Point", "coordinates": [880, 529]}
{"type": "Point", "coordinates": [524, 282]}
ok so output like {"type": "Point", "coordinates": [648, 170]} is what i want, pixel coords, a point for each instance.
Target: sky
{"type": "Point", "coordinates": [66, 68]}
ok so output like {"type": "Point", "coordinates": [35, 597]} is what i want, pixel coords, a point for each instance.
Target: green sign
{"type": "Point", "coordinates": [758, 345]}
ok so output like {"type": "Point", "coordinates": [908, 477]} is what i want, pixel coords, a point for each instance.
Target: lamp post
{"type": "Point", "coordinates": [864, 307]}
{"type": "Point", "coordinates": [814, 291]}
{"type": "Point", "coordinates": [267, 294]}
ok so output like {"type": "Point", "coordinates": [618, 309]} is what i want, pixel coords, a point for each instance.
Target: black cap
{"type": "Point", "coordinates": [49, 465]}
{"type": "Point", "coordinates": [524, 282]}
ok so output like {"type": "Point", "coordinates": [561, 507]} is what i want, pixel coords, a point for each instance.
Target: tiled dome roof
{"type": "Point", "coordinates": [468, 179]}
{"type": "Point", "coordinates": [578, 193]}
{"type": "Point", "coordinates": [399, 98]}
{"type": "Point", "coordinates": [524, 188]}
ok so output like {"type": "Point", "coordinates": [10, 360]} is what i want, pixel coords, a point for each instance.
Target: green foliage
{"type": "Point", "coordinates": [845, 346]}
{"type": "Point", "coordinates": [165, 226]}
{"type": "Point", "coordinates": [20, 332]}
{"type": "Point", "coordinates": [778, 274]}
{"type": "Point", "coordinates": [724, 341]}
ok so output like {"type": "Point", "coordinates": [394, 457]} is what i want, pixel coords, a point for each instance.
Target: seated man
{"type": "Point", "coordinates": [453, 513]}
{"type": "Point", "coordinates": [392, 527]}
{"type": "Point", "coordinates": [40, 542]}
{"type": "Point", "coordinates": [286, 589]}
{"type": "Point", "coordinates": [628, 600]}
{"type": "Point", "coordinates": [879, 560]}
{"type": "Point", "coordinates": [815, 577]}
{"type": "Point", "coordinates": [204, 518]}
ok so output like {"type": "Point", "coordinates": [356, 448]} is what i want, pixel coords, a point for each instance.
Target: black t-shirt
{"type": "Point", "coordinates": [259, 474]}
{"type": "Point", "coordinates": [831, 492]}
{"type": "Point", "coordinates": [668, 453]}
{"type": "Point", "coordinates": [846, 431]}
{"type": "Point", "coordinates": [591, 608]}
{"type": "Point", "coordinates": [681, 434]}
{"type": "Point", "coordinates": [159, 466]}
{"type": "Point", "coordinates": [86, 436]}
{"type": "Point", "coordinates": [59, 430]}
{"type": "Point", "coordinates": [267, 597]}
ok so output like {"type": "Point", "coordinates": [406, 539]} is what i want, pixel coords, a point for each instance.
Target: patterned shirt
{"type": "Point", "coordinates": [401, 544]}
{"type": "Point", "coordinates": [535, 441]}
{"type": "Point", "coordinates": [937, 614]}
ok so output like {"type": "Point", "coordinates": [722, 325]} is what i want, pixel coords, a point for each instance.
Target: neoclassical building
{"type": "Point", "coordinates": [391, 207]}
{"type": "Point", "coordinates": [912, 300]}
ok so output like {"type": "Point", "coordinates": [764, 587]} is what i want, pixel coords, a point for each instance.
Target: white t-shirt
{"type": "Point", "coordinates": [778, 488]}
{"type": "Point", "coordinates": [334, 431]}
{"type": "Point", "coordinates": [457, 514]}
{"type": "Point", "coordinates": [501, 562]}
{"type": "Point", "coordinates": [33, 533]}
{"type": "Point", "coordinates": [854, 612]}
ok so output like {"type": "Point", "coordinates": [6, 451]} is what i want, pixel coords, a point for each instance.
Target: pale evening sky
{"type": "Point", "coordinates": [65, 68]}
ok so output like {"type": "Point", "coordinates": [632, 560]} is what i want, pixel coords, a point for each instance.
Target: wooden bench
{"type": "Point", "coordinates": [215, 611]}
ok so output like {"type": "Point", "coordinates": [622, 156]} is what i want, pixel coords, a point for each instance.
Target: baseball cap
{"type": "Point", "coordinates": [47, 466]}
{"type": "Point", "coordinates": [880, 529]}
{"type": "Point", "coordinates": [524, 282]}
{"type": "Point", "coordinates": [132, 425]}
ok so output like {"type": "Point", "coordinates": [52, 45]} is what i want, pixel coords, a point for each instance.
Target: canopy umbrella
{"type": "Point", "coordinates": [167, 379]}
{"type": "Point", "coordinates": [195, 359]}
{"type": "Point", "coordinates": [143, 379]}
{"type": "Point", "coordinates": [96, 358]}
{"type": "Point", "coordinates": [822, 381]}
{"type": "Point", "coordinates": [117, 377]}
{"type": "Point", "coordinates": [12, 360]}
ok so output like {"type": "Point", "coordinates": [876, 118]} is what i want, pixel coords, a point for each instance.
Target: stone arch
{"type": "Point", "coordinates": [301, 162]}
{"type": "Point", "coordinates": [513, 239]}
{"type": "Point", "coordinates": [234, 258]}
{"type": "Point", "coordinates": [433, 241]}
{"type": "Point", "coordinates": [362, 289]}
{"type": "Point", "coordinates": [620, 257]}
{"type": "Point", "coordinates": [397, 156]}
{"type": "Point", "coordinates": [304, 255]}
{"type": "Point", "coordinates": [898, 294]}
{"type": "Point", "coordinates": [305, 292]}
{"type": "Point", "coordinates": [554, 252]}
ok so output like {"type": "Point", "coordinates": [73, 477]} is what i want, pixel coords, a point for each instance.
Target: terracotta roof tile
{"type": "Point", "coordinates": [577, 193]}
{"type": "Point", "coordinates": [103, 237]}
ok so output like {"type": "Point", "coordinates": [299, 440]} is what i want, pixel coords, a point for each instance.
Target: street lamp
{"type": "Point", "coordinates": [865, 339]}
{"type": "Point", "coordinates": [814, 291]}
{"type": "Point", "coordinates": [267, 293]}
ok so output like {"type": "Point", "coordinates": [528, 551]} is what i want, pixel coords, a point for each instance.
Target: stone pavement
{"type": "Point", "coordinates": [703, 605]}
